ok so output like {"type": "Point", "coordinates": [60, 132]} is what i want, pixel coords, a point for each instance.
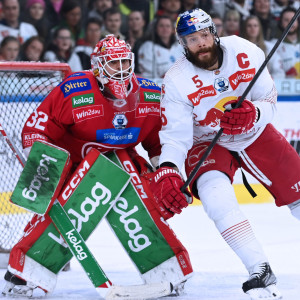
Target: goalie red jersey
{"type": "Point", "coordinates": [76, 116]}
{"type": "Point", "coordinates": [107, 109]}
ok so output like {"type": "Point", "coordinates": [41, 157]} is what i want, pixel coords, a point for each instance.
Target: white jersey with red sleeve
{"type": "Point", "coordinates": [193, 100]}
{"type": "Point", "coordinates": [77, 117]}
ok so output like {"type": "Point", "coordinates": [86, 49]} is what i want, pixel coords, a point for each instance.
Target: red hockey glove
{"type": "Point", "coordinates": [239, 120]}
{"type": "Point", "coordinates": [166, 184]}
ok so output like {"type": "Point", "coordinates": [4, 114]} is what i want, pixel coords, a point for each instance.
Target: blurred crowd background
{"type": "Point", "coordinates": [68, 30]}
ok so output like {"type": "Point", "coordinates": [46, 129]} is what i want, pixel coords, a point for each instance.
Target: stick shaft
{"type": "Point", "coordinates": [13, 148]}
{"type": "Point", "coordinates": [78, 246]}
{"type": "Point", "coordinates": [242, 98]}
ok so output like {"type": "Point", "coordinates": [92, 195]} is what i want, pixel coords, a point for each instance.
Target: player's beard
{"type": "Point", "coordinates": [292, 31]}
{"type": "Point", "coordinates": [204, 63]}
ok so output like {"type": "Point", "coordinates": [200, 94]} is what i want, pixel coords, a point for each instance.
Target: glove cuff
{"type": "Point", "coordinates": [165, 172]}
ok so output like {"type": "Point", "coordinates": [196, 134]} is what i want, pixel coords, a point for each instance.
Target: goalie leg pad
{"type": "Point", "coordinates": [43, 244]}
{"type": "Point", "coordinates": [25, 267]}
{"type": "Point", "coordinates": [147, 238]}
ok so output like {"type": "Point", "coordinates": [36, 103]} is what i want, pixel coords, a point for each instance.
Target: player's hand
{"type": "Point", "coordinates": [166, 183]}
{"type": "Point", "coordinates": [239, 120]}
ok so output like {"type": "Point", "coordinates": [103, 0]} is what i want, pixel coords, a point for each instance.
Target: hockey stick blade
{"type": "Point", "coordinates": [137, 292]}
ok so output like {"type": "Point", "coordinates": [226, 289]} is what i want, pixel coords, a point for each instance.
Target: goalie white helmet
{"type": "Point", "coordinates": [113, 63]}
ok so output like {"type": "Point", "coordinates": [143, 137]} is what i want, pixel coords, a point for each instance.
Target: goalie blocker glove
{"type": "Point", "coordinates": [239, 120]}
{"type": "Point", "coordinates": [166, 183]}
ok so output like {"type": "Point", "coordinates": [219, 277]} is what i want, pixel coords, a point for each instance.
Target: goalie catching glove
{"type": "Point", "coordinates": [166, 183]}
{"type": "Point", "coordinates": [239, 120]}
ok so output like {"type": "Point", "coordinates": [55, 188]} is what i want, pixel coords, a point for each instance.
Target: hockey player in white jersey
{"type": "Point", "coordinates": [198, 97]}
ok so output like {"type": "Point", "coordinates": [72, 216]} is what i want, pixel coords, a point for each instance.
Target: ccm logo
{"type": "Point", "coordinates": [135, 178]}
{"type": "Point", "coordinates": [76, 178]}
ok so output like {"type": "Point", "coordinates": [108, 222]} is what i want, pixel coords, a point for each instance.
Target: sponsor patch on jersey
{"type": "Point", "coordinates": [206, 91]}
{"type": "Point", "coordinates": [151, 97]}
{"type": "Point", "coordinates": [73, 86]}
{"type": "Point", "coordinates": [30, 138]}
{"type": "Point", "coordinates": [241, 76]}
{"type": "Point", "coordinates": [83, 100]}
{"type": "Point", "coordinates": [84, 113]}
{"type": "Point", "coordinates": [118, 136]}
{"type": "Point", "coordinates": [148, 84]}
{"type": "Point", "coordinates": [120, 121]}
{"type": "Point", "coordinates": [221, 84]}
{"type": "Point", "coordinates": [145, 109]}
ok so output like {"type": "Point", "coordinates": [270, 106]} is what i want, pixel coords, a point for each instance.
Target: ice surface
{"type": "Point", "coordinates": [219, 274]}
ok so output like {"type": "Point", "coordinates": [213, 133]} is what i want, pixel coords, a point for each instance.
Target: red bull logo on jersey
{"type": "Point", "coordinates": [212, 118]}
{"type": "Point", "coordinates": [206, 91]}
{"type": "Point", "coordinates": [241, 76]}
{"type": "Point", "coordinates": [214, 114]}
{"type": "Point", "coordinates": [196, 154]}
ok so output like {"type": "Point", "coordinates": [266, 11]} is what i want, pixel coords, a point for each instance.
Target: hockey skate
{"type": "Point", "coordinates": [16, 286]}
{"type": "Point", "coordinates": [262, 283]}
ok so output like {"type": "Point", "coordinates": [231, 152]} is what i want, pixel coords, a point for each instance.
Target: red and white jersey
{"type": "Point", "coordinates": [22, 33]}
{"type": "Point", "coordinates": [193, 99]}
{"type": "Point", "coordinates": [77, 117]}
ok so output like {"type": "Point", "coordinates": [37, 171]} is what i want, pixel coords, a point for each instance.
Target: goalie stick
{"type": "Point", "coordinates": [238, 104]}
{"type": "Point", "coordinates": [103, 285]}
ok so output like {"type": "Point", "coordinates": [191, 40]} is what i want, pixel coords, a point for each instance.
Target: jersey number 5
{"type": "Point", "coordinates": [164, 120]}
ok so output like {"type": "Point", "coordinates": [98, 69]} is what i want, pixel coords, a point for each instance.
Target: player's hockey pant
{"type": "Point", "coordinates": [149, 241]}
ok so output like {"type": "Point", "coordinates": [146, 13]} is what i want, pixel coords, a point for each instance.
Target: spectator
{"type": "Point", "coordinates": [206, 4]}
{"type": "Point", "coordinates": [262, 9]}
{"type": "Point", "coordinates": [241, 6]}
{"type": "Point", "coordinates": [170, 8]}
{"type": "Point", "coordinates": [125, 11]}
{"type": "Point", "coordinates": [86, 46]}
{"type": "Point", "coordinates": [9, 48]}
{"type": "Point", "coordinates": [100, 6]}
{"type": "Point", "coordinates": [159, 52]}
{"type": "Point", "coordinates": [289, 49]}
{"type": "Point", "coordinates": [112, 22]}
{"type": "Point", "coordinates": [72, 19]}
{"type": "Point", "coordinates": [218, 21]}
{"type": "Point", "coordinates": [53, 8]}
{"type": "Point", "coordinates": [136, 25]}
{"type": "Point", "coordinates": [10, 24]}
{"type": "Point", "coordinates": [61, 49]}
{"type": "Point", "coordinates": [1, 13]}
{"type": "Point", "coordinates": [232, 22]}
{"type": "Point", "coordinates": [277, 6]}
{"type": "Point", "coordinates": [32, 49]}
{"type": "Point", "coordinates": [252, 31]}
{"type": "Point", "coordinates": [146, 6]}
{"type": "Point", "coordinates": [188, 5]}
{"type": "Point", "coordinates": [35, 15]}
